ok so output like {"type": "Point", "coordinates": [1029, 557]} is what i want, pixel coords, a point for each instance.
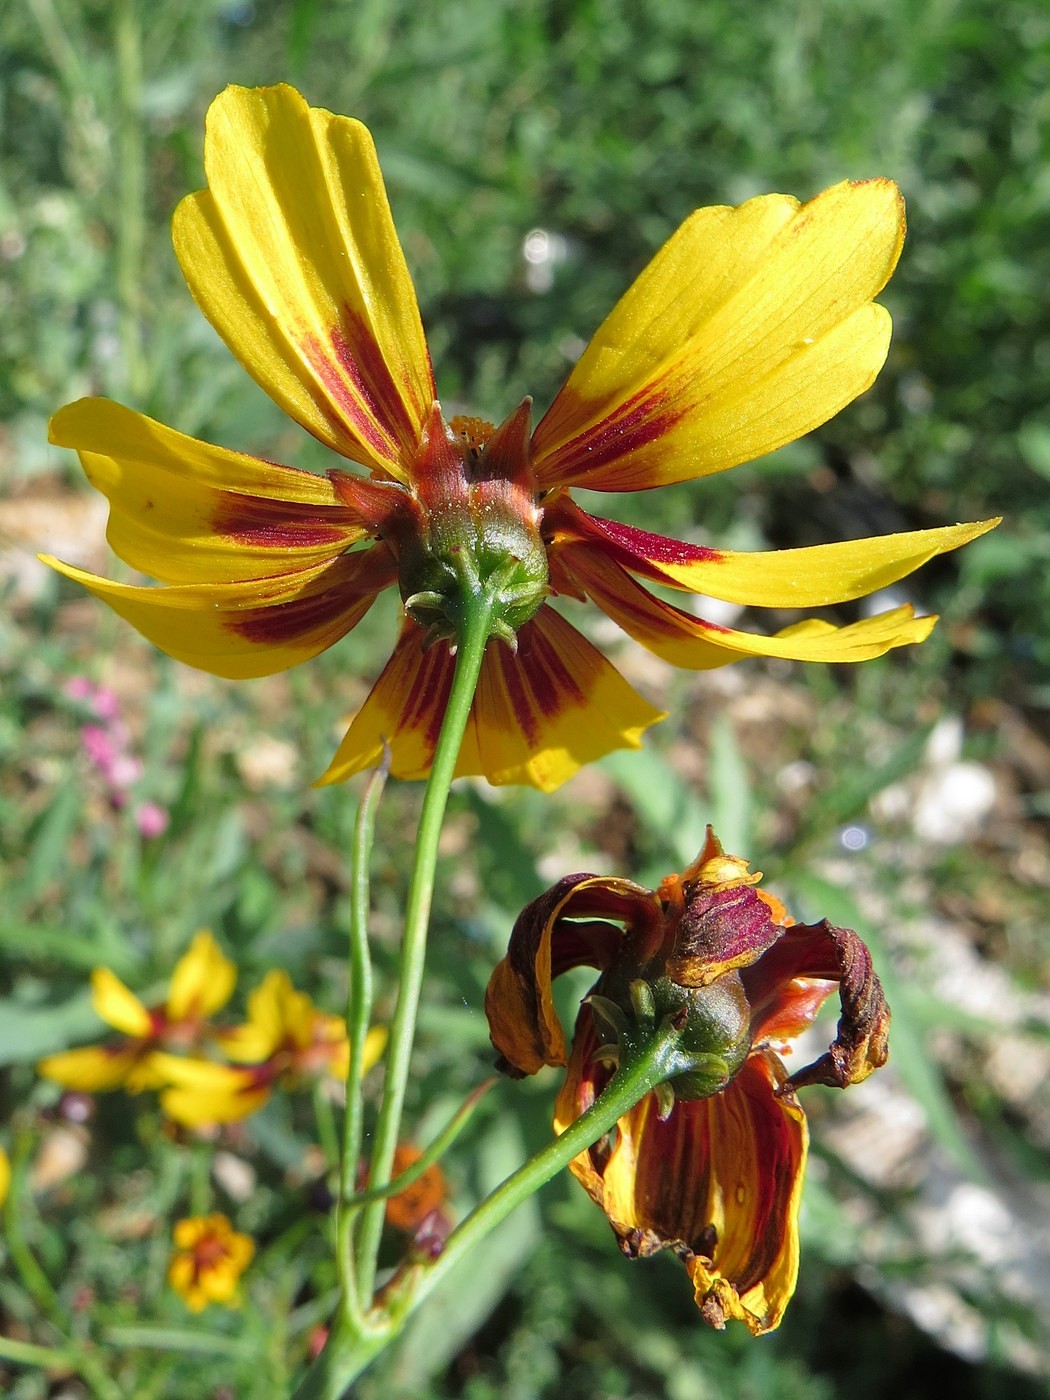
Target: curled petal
{"type": "Point", "coordinates": [719, 931]}
{"type": "Point", "coordinates": [759, 1141]}
{"type": "Point", "coordinates": [687, 641]}
{"type": "Point", "coordinates": [203, 980]}
{"type": "Point", "coordinates": [824, 955]}
{"type": "Point", "coordinates": [538, 715]}
{"type": "Point", "coordinates": [184, 511]}
{"type": "Point", "coordinates": [249, 629]}
{"type": "Point", "coordinates": [554, 933]}
{"type": "Point", "coordinates": [749, 328]}
{"type": "Point", "coordinates": [813, 577]}
{"type": "Point", "coordinates": [292, 254]}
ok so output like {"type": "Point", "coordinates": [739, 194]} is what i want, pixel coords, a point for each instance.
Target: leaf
{"type": "Point", "coordinates": [28, 1034]}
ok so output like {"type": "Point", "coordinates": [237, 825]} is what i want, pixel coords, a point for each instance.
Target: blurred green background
{"type": "Point", "coordinates": [536, 154]}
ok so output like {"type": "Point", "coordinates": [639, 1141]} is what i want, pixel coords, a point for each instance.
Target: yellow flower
{"type": "Point", "coordinates": [750, 327]}
{"type": "Point", "coordinates": [202, 983]}
{"type": "Point", "coordinates": [5, 1175]}
{"type": "Point", "coordinates": [208, 1261]}
{"type": "Point", "coordinates": [711, 1164]}
{"type": "Point", "coordinates": [285, 1040]}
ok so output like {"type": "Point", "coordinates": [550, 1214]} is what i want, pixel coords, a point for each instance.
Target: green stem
{"type": "Point", "coordinates": [627, 1087]}
{"type": "Point", "coordinates": [347, 1355]}
{"type": "Point", "coordinates": [358, 1016]}
{"type": "Point", "coordinates": [200, 1178]}
{"type": "Point", "coordinates": [469, 656]}
{"type": "Point", "coordinates": [27, 1354]}
{"type": "Point", "coordinates": [437, 1148]}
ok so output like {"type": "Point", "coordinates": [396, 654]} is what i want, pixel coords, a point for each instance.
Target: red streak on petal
{"type": "Point", "coordinates": [633, 424]}
{"type": "Point", "coordinates": [425, 708]}
{"type": "Point", "coordinates": [366, 388]}
{"type": "Point", "coordinates": [273, 624]}
{"type": "Point", "coordinates": [257, 521]}
{"type": "Point", "coordinates": [644, 546]}
{"type": "Point", "coordinates": [613, 590]}
{"type": "Point", "coordinates": [537, 680]}
{"type": "Point", "coordinates": [357, 416]}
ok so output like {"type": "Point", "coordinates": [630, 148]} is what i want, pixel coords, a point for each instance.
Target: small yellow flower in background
{"type": "Point", "coordinates": [710, 1165]}
{"type": "Point", "coordinates": [5, 1175]}
{"type": "Point", "coordinates": [286, 1040]}
{"type": "Point", "coordinates": [208, 1261]}
{"type": "Point", "coordinates": [202, 983]}
{"type": "Point", "coordinates": [750, 327]}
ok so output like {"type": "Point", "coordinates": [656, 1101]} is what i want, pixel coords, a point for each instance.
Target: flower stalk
{"type": "Point", "coordinates": [476, 627]}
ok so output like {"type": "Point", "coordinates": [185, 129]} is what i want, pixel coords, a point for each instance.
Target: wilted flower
{"type": "Point", "coordinates": [420, 1209]}
{"type": "Point", "coordinates": [202, 983]}
{"type": "Point", "coordinates": [750, 327]}
{"type": "Point", "coordinates": [709, 1165]}
{"type": "Point", "coordinates": [209, 1259]}
{"type": "Point", "coordinates": [286, 1040]}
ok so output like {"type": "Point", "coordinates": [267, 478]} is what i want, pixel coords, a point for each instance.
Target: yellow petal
{"type": "Point", "coordinates": [292, 254]}
{"type": "Point", "coordinates": [750, 327]}
{"type": "Point", "coordinates": [184, 511]}
{"type": "Point", "coordinates": [683, 640]}
{"type": "Point", "coordinates": [201, 1092]}
{"type": "Point", "coordinates": [249, 629]}
{"type": "Point", "coordinates": [758, 1142]}
{"type": "Point", "coordinates": [118, 1007]}
{"type": "Point", "coordinates": [783, 578]}
{"type": "Point", "coordinates": [93, 1069]}
{"type": "Point", "coordinates": [5, 1175]}
{"type": "Point", "coordinates": [538, 715]}
{"type": "Point", "coordinates": [203, 980]}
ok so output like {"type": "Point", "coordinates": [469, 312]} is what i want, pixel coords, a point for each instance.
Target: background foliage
{"type": "Point", "coordinates": [925, 1245]}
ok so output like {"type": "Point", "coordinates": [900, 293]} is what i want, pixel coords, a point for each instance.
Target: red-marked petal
{"type": "Point", "coordinates": [184, 511]}
{"type": "Point", "coordinates": [718, 1181]}
{"type": "Point", "coordinates": [556, 705]}
{"type": "Point", "coordinates": [539, 714]}
{"type": "Point", "coordinates": [750, 327]}
{"type": "Point", "coordinates": [249, 629]}
{"type": "Point", "coordinates": [828, 955]}
{"type": "Point", "coordinates": [684, 640]}
{"type": "Point", "coordinates": [778, 578]}
{"type": "Point", "coordinates": [292, 254]}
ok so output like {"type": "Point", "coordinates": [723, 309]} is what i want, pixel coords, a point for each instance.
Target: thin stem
{"type": "Point", "coordinates": [469, 656]}
{"type": "Point", "coordinates": [437, 1148]}
{"type": "Point", "coordinates": [358, 1016]}
{"type": "Point", "coordinates": [339, 1365]}
{"type": "Point", "coordinates": [28, 1354]}
{"type": "Point", "coordinates": [627, 1087]}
